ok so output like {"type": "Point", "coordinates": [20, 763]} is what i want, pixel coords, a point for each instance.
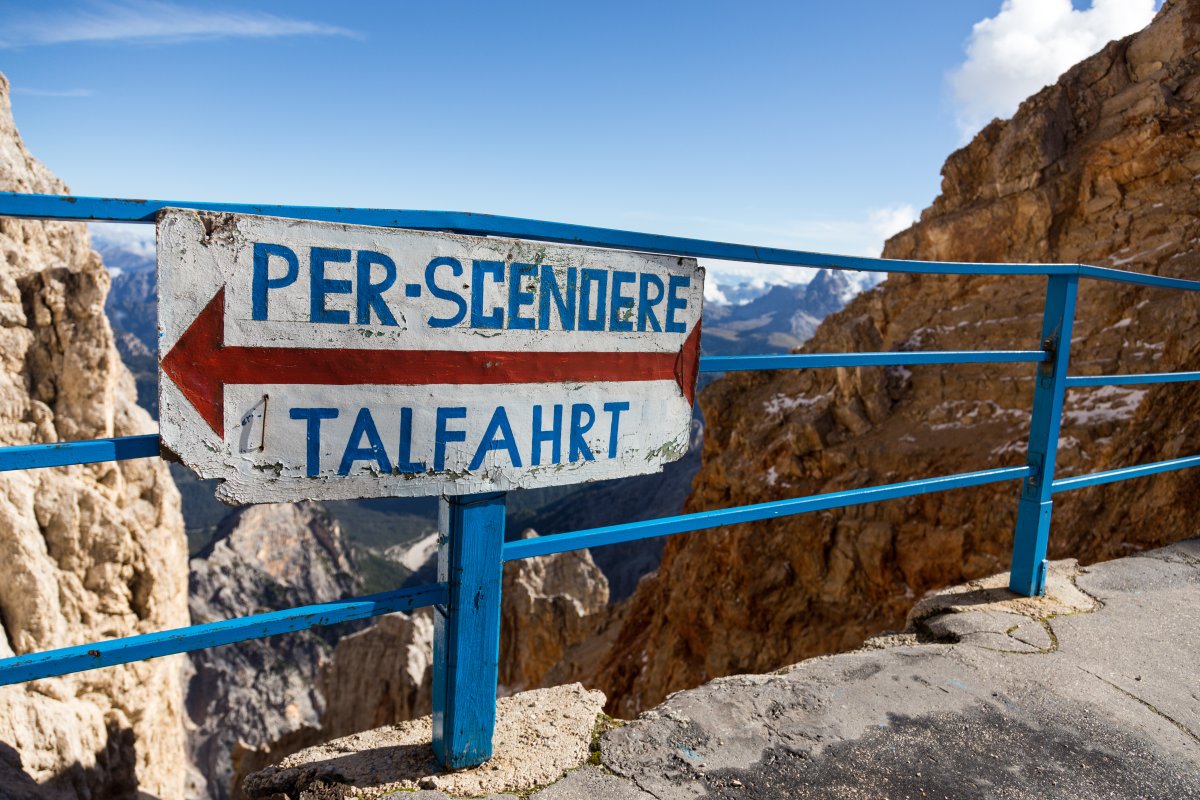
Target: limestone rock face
{"type": "Point", "coordinates": [263, 558]}
{"type": "Point", "coordinates": [1102, 168]}
{"type": "Point", "coordinates": [550, 605]}
{"type": "Point", "coordinates": [379, 675]}
{"type": "Point", "coordinates": [376, 676]}
{"type": "Point", "coordinates": [90, 552]}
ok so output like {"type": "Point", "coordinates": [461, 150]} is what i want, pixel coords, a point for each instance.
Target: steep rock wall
{"type": "Point", "coordinates": [263, 558]}
{"type": "Point", "coordinates": [550, 605]}
{"type": "Point", "coordinates": [1103, 168]}
{"type": "Point", "coordinates": [90, 552]}
{"type": "Point", "coordinates": [382, 675]}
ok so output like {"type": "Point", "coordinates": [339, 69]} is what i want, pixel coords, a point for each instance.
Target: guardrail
{"type": "Point", "coordinates": [473, 551]}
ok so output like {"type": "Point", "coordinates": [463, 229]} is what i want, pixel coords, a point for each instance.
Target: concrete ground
{"type": "Point", "coordinates": [1067, 697]}
{"type": "Point", "coordinates": [1090, 692]}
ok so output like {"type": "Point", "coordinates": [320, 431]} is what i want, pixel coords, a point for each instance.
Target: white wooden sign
{"type": "Point", "coordinates": [317, 360]}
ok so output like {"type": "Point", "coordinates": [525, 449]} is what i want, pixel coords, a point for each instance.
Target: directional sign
{"type": "Point", "coordinates": [316, 360]}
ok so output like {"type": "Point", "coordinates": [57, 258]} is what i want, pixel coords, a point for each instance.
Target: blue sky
{"type": "Point", "coordinates": [816, 125]}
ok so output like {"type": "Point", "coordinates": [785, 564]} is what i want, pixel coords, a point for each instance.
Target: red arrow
{"type": "Point", "coordinates": [201, 364]}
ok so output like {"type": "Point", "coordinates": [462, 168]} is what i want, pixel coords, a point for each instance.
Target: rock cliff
{"type": "Point", "coordinates": [550, 605]}
{"type": "Point", "coordinates": [90, 552]}
{"type": "Point", "coordinates": [1102, 168]}
{"type": "Point", "coordinates": [383, 674]}
{"type": "Point", "coordinates": [263, 558]}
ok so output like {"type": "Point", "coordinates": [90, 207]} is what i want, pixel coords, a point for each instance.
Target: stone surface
{"type": "Point", "coordinates": [1109, 710]}
{"type": "Point", "coordinates": [592, 783]}
{"type": "Point", "coordinates": [539, 736]}
{"type": "Point", "coordinates": [1099, 168]}
{"type": "Point", "coordinates": [263, 558]}
{"type": "Point", "coordinates": [90, 552]}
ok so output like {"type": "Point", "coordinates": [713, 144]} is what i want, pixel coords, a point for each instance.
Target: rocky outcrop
{"type": "Point", "coordinates": [263, 558]}
{"type": "Point", "coordinates": [539, 736]}
{"type": "Point", "coordinates": [376, 676]}
{"type": "Point", "coordinates": [379, 675]}
{"type": "Point", "coordinates": [90, 552]}
{"type": "Point", "coordinates": [552, 606]}
{"type": "Point", "coordinates": [1100, 703]}
{"type": "Point", "coordinates": [1100, 168]}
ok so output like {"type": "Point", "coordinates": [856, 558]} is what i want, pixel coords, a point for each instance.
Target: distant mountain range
{"type": "Point", "coordinates": [774, 318]}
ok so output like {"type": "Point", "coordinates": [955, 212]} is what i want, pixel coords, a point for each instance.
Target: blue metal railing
{"type": "Point", "coordinates": [472, 550]}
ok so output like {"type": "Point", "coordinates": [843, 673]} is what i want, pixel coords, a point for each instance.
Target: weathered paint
{"type": "Point", "coordinates": [466, 640]}
{"type": "Point", "coordinates": [58, 454]}
{"type": "Point", "coordinates": [320, 360]}
{"type": "Point", "coordinates": [1123, 474]}
{"type": "Point", "coordinates": [73, 659]}
{"type": "Point", "coordinates": [904, 357]}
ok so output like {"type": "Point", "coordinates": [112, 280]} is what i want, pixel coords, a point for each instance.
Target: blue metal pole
{"type": "Point", "coordinates": [466, 643]}
{"type": "Point", "coordinates": [1028, 576]}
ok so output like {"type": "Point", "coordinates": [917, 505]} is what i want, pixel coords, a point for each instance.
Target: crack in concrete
{"type": "Point", "coordinates": [622, 776]}
{"type": "Point", "coordinates": [1182, 728]}
{"type": "Point", "coordinates": [927, 636]}
{"type": "Point", "coordinates": [639, 785]}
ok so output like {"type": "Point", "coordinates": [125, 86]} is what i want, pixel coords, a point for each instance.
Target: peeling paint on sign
{"type": "Point", "coordinates": [313, 360]}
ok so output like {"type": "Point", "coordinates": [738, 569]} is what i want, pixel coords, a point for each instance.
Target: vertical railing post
{"type": "Point", "coordinates": [466, 643]}
{"type": "Point", "coordinates": [1028, 576]}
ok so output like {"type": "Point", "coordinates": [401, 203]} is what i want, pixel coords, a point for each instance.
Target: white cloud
{"type": "Point", "coordinates": [151, 22]}
{"type": "Point", "coordinates": [884, 223]}
{"type": "Point", "coordinates": [713, 292]}
{"type": "Point", "coordinates": [1027, 45]}
{"type": "Point", "coordinates": [723, 274]}
{"type": "Point", "coordinates": [137, 240]}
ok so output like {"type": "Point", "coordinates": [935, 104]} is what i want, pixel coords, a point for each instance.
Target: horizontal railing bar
{"type": "Point", "coordinates": [103, 209]}
{"type": "Point", "coordinates": [1131, 380]}
{"type": "Point", "coordinates": [817, 360]}
{"type": "Point", "coordinates": [59, 454]}
{"type": "Point", "coordinates": [1125, 473]}
{"type": "Point", "coordinates": [684, 523]}
{"type": "Point", "coordinates": [1140, 278]}
{"type": "Point", "coordinates": [212, 634]}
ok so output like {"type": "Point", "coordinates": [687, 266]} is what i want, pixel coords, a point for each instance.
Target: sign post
{"type": "Point", "coordinates": [466, 640]}
{"type": "Point", "coordinates": [311, 360]}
